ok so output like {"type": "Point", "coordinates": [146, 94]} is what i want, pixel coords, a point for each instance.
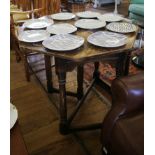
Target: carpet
{"type": "Point", "coordinates": [108, 71]}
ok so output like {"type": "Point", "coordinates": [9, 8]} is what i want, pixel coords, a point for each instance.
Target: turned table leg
{"type": "Point", "coordinates": [120, 65]}
{"type": "Point", "coordinates": [80, 82]}
{"type": "Point", "coordinates": [48, 73]}
{"type": "Point", "coordinates": [96, 73]}
{"type": "Point", "coordinates": [127, 63]}
{"type": "Point", "coordinates": [63, 106]}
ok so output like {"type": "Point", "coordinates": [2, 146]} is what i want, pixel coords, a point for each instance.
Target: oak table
{"type": "Point", "coordinates": [67, 61]}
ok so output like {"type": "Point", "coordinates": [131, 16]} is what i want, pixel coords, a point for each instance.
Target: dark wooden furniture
{"type": "Point", "coordinates": [76, 6]}
{"type": "Point", "coordinates": [123, 126]}
{"type": "Point", "coordinates": [67, 61]}
{"type": "Point", "coordinates": [17, 145]}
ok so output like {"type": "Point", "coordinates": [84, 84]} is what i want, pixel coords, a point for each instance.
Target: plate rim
{"type": "Point", "coordinates": [27, 41]}
{"type": "Point", "coordinates": [121, 31]}
{"type": "Point", "coordinates": [105, 46]}
{"type": "Point", "coordinates": [73, 16]}
{"type": "Point", "coordinates": [16, 116]}
{"type": "Point", "coordinates": [86, 17]}
{"type": "Point", "coordinates": [75, 28]}
{"type": "Point", "coordinates": [90, 28]}
{"type": "Point", "coordinates": [35, 28]}
{"type": "Point", "coordinates": [121, 18]}
{"type": "Point", "coordinates": [64, 50]}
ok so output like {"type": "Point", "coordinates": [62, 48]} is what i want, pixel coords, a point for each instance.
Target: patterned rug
{"type": "Point", "coordinates": [107, 71]}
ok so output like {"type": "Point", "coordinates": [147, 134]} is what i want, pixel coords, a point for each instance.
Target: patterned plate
{"type": "Point", "coordinates": [62, 28]}
{"type": "Point", "coordinates": [63, 16]}
{"type": "Point", "coordinates": [121, 27]}
{"type": "Point", "coordinates": [90, 23]}
{"type": "Point", "coordinates": [107, 39]}
{"type": "Point", "coordinates": [110, 17]}
{"type": "Point", "coordinates": [88, 14]}
{"type": "Point", "coordinates": [63, 42]}
{"type": "Point", "coordinates": [38, 23]}
{"type": "Point", "coordinates": [32, 36]}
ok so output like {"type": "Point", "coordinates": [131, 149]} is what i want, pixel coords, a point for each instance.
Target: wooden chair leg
{"type": "Point", "coordinates": [80, 82]}
{"type": "Point", "coordinates": [26, 65]}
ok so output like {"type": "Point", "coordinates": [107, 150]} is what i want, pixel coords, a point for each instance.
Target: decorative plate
{"type": "Point", "coordinates": [63, 42]}
{"type": "Point", "coordinates": [13, 115]}
{"type": "Point", "coordinates": [110, 17]}
{"type": "Point", "coordinates": [62, 28]}
{"type": "Point", "coordinates": [90, 23]}
{"type": "Point", "coordinates": [32, 36]}
{"type": "Point", "coordinates": [107, 39]}
{"type": "Point", "coordinates": [88, 14]}
{"type": "Point", "coordinates": [63, 16]}
{"type": "Point", "coordinates": [38, 23]}
{"type": "Point", "coordinates": [121, 27]}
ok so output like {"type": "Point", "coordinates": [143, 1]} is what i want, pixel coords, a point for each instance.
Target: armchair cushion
{"type": "Point", "coordinates": [128, 136]}
{"type": "Point", "coordinates": [137, 9]}
{"type": "Point", "coordinates": [137, 1]}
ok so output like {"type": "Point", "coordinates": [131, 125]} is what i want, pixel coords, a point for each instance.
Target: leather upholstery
{"type": "Point", "coordinates": [123, 127]}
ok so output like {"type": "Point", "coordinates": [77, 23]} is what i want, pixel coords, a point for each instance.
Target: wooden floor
{"type": "Point", "coordinates": [39, 119]}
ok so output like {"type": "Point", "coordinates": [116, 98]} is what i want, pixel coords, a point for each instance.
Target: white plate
{"type": "Point", "coordinates": [110, 17]}
{"type": "Point", "coordinates": [88, 14]}
{"type": "Point", "coordinates": [90, 23]}
{"type": "Point", "coordinates": [62, 28]}
{"type": "Point", "coordinates": [13, 115]}
{"type": "Point", "coordinates": [32, 36]}
{"type": "Point", "coordinates": [121, 27]}
{"type": "Point", "coordinates": [63, 16]}
{"type": "Point", "coordinates": [63, 42]}
{"type": "Point", "coordinates": [38, 23]}
{"type": "Point", "coordinates": [107, 39]}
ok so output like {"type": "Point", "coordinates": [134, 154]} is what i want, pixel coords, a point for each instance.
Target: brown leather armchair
{"type": "Point", "coordinates": [123, 127]}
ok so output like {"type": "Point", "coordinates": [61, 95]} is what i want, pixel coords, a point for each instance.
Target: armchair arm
{"type": "Point", "coordinates": [128, 98]}
{"type": "Point", "coordinates": [129, 92]}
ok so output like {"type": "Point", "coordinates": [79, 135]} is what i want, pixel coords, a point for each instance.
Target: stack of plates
{"type": "Point", "coordinates": [88, 14]}
{"type": "Point", "coordinates": [63, 16]}
{"type": "Point", "coordinates": [110, 17]}
{"type": "Point", "coordinates": [63, 42]}
{"type": "Point", "coordinates": [62, 28]}
{"type": "Point", "coordinates": [33, 36]}
{"type": "Point", "coordinates": [107, 39]}
{"type": "Point", "coordinates": [38, 23]}
{"type": "Point", "coordinates": [121, 27]}
{"type": "Point", "coordinates": [90, 23]}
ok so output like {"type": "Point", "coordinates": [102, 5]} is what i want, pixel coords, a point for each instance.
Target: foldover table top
{"type": "Point", "coordinates": [85, 52]}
